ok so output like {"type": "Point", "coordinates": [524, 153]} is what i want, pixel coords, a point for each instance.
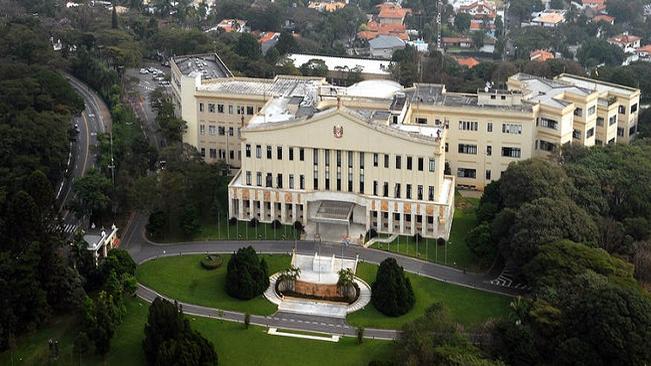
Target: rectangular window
{"type": "Point", "coordinates": [301, 154]}
{"type": "Point", "coordinates": [301, 182]}
{"type": "Point", "coordinates": [421, 163]}
{"type": "Point", "coordinates": [408, 191]}
{"type": "Point", "coordinates": [612, 120]}
{"type": "Point", "coordinates": [202, 129]}
{"type": "Point", "coordinates": [409, 162]}
{"type": "Point", "coordinates": [326, 159]}
{"type": "Point", "coordinates": [489, 150]}
{"type": "Point", "coordinates": [578, 112]}
{"type": "Point", "coordinates": [633, 130]}
{"type": "Point", "coordinates": [247, 151]}
{"type": "Point", "coordinates": [361, 160]}
{"type": "Point", "coordinates": [430, 193]}
{"type": "Point", "coordinates": [466, 173]}
{"type": "Point", "coordinates": [398, 162]}
{"type": "Point", "coordinates": [230, 131]}
{"type": "Point", "coordinates": [634, 108]}
{"type": "Point", "coordinates": [600, 121]}
{"type": "Point", "coordinates": [489, 127]}
{"type": "Point", "coordinates": [396, 190]}
{"type": "Point", "coordinates": [375, 188]}
{"type": "Point", "coordinates": [419, 193]}
{"type": "Point", "coordinates": [269, 180]}
{"type": "Point", "coordinates": [291, 153]}
{"type": "Point", "coordinates": [432, 165]}
{"type": "Point", "coordinates": [621, 109]}
{"type": "Point", "coordinates": [511, 152]}
{"type": "Point", "coordinates": [203, 152]}
{"type": "Point", "coordinates": [488, 174]}
{"type": "Point", "coordinates": [386, 160]}
{"type": "Point", "coordinates": [268, 151]}
{"type": "Point", "coordinates": [221, 130]}
{"type": "Point", "coordinates": [421, 120]}
{"type": "Point", "coordinates": [230, 109]}
{"type": "Point", "coordinates": [590, 133]}
{"type": "Point", "coordinates": [547, 123]}
{"type": "Point", "coordinates": [545, 145]}
{"type": "Point", "coordinates": [248, 178]}
{"type": "Point", "coordinates": [200, 107]}
{"type": "Point", "coordinates": [576, 134]}
{"type": "Point", "coordinates": [512, 128]}
{"type": "Point", "coordinates": [258, 151]}
{"type": "Point", "coordinates": [249, 110]}
{"type": "Point", "coordinates": [213, 153]}
{"type": "Point", "coordinates": [291, 181]}
{"type": "Point", "coordinates": [258, 179]}
{"type": "Point", "coordinates": [385, 189]}
{"type": "Point", "coordinates": [467, 149]}
{"type": "Point", "coordinates": [211, 107]}
{"type": "Point", "coordinates": [468, 126]}
{"type": "Point", "coordinates": [220, 108]}
{"type": "Point", "coordinates": [375, 159]}
{"type": "Point", "coordinates": [212, 130]}
{"type": "Point", "coordinates": [592, 110]}
{"type": "Point", "coordinates": [279, 152]}
{"type": "Point", "coordinates": [279, 181]}
{"type": "Point", "coordinates": [350, 159]}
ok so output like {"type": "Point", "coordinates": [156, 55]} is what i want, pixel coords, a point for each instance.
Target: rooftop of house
{"type": "Point", "coordinates": [383, 41]}
{"type": "Point", "coordinates": [540, 55]}
{"type": "Point", "coordinates": [210, 66]}
{"type": "Point", "coordinates": [601, 86]}
{"type": "Point", "coordinates": [603, 18]}
{"type": "Point", "coordinates": [392, 10]}
{"type": "Point", "coordinates": [550, 17]}
{"type": "Point", "coordinates": [548, 92]}
{"type": "Point", "coordinates": [469, 62]}
{"type": "Point", "coordinates": [624, 38]}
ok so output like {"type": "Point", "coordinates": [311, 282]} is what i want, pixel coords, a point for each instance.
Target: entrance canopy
{"type": "Point", "coordinates": [334, 212]}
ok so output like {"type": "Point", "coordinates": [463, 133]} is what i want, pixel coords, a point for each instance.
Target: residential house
{"type": "Point", "coordinates": [268, 40]}
{"type": "Point", "coordinates": [468, 62]}
{"type": "Point", "coordinates": [540, 55]}
{"type": "Point", "coordinates": [603, 18]}
{"type": "Point", "coordinates": [627, 42]}
{"type": "Point", "coordinates": [459, 42]}
{"type": "Point", "coordinates": [384, 46]}
{"type": "Point", "coordinates": [374, 29]}
{"type": "Point", "coordinates": [231, 25]}
{"type": "Point", "coordinates": [392, 13]}
{"type": "Point", "coordinates": [550, 18]}
{"type": "Point", "coordinates": [326, 6]}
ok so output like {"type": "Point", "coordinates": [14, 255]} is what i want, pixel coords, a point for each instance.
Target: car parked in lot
{"type": "Point", "coordinates": [144, 71]}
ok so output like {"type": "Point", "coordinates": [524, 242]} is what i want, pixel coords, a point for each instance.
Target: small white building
{"type": "Point", "coordinates": [101, 241]}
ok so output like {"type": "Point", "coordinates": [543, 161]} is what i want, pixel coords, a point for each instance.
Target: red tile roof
{"type": "Point", "coordinates": [469, 62]}
{"type": "Point", "coordinates": [540, 55]}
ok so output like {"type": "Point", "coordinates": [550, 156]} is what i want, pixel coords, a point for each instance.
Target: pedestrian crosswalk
{"type": "Point", "coordinates": [64, 228]}
{"type": "Point", "coordinates": [505, 279]}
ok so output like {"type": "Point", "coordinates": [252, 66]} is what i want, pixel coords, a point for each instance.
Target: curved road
{"type": "Point", "coordinates": [142, 250]}
{"type": "Point", "coordinates": [94, 119]}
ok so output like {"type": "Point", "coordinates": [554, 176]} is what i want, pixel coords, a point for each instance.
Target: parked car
{"type": "Point", "coordinates": [144, 71]}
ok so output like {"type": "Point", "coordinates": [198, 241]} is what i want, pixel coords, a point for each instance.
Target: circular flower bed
{"type": "Point", "coordinates": [211, 261]}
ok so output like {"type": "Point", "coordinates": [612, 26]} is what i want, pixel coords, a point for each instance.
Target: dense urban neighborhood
{"type": "Point", "coordinates": [333, 182]}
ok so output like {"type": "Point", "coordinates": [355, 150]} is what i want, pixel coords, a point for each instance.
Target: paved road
{"type": "Point", "coordinates": [94, 119]}
{"type": "Point", "coordinates": [142, 250]}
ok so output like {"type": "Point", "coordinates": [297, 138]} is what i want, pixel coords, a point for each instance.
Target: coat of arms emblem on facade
{"type": "Point", "coordinates": [338, 131]}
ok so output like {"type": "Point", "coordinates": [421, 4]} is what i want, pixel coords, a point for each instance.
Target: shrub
{"type": "Point", "coordinates": [254, 222]}
{"type": "Point", "coordinates": [211, 261]}
{"type": "Point", "coordinates": [232, 221]}
{"type": "Point", "coordinates": [370, 234]}
{"type": "Point", "coordinates": [392, 293]}
{"type": "Point", "coordinates": [418, 238]}
{"type": "Point", "coordinates": [276, 224]}
{"type": "Point", "coordinates": [246, 275]}
{"type": "Point", "coordinates": [298, 226]}
{"type": "Point", "coordinates": [440, 241]}
{"type": "Point", "coordinates": [247, 320]}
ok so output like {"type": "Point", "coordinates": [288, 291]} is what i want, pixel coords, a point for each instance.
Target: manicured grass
{"type": "Point", "coordinates": [182, 278]}
{"type": "Point", "coordinates": [458, 253]}
{"type": "Point", "coordinates": [221, 230]}
{"type": "Point", "coordinates": [234, 345]}
{"type": "Point", "coordinates": [466, 306]}
{"type": "Point", "coordinates": [126, 346]}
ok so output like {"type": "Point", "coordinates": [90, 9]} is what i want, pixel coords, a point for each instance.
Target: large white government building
{"type": "Point", "coordinates": [373, 155]}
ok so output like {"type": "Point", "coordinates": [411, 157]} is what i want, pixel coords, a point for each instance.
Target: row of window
{"type": "Point", "coordinates": [622, 110]}
{"type": "Point", "coordinates": [511, 152]}
{"type": "Point", "coordinates": [471, 173]}
{"type": "Point", "coordinates": [222, 154]}
{"type": "Point", "coordinates": [221, 108]}
{"type": "Point", "coordinates": [611, 120]}
{"type": "Point", "coordinates": [410, 160]}
{"type": "Point", "coordinates": [217, 130]}
{"type": "Point", "coordinates": [268, 182]}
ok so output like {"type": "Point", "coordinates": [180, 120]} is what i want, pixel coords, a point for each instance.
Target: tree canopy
{"type": "Point", "coordinates": [391, 293]}
{"type": "Point", "coordinates": [246, 275]}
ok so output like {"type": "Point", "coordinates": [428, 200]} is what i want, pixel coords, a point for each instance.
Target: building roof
{"type": "Point", "coordinates": [624, 39]}
{"type": "Point", "coordinates": [383, 41]}
{"type": "Point", "coordinates": [644, 49]}
{"type": "Point", "coordinates": [603, 18]}
{"type": "Point", "coordinates": [549, 18]}
{"type": "Point", "coordinates": [367, 66]}
{"type": "Point", "coordinates": [549, 92]}
{"type": "Point", "coordinates": [469, 62]}
{"type": "Point", "coordinates": [593, 2]}
{"type": "Point", "coordinates": [209, 65]}
{"type": "Point", "coordinates": [392, 10]}
{"type": "Point", "coordinates": [231, 25]}
{"type": "Point", "coordinates": [375, 29]}
{"type": "Point", "coordinates": [457, 40]}
{"type": "Point", "coordinates": [540, 55]}
{"type": "Point", "coordinates": [598, 85]}
{"type": "Point", "coordinates": [384, 89]}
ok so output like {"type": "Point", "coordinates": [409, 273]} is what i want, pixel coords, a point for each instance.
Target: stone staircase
{"type": "Point", "coordinates": [381, 240]}
{"type": "Point", "coordinates": [270, 293]}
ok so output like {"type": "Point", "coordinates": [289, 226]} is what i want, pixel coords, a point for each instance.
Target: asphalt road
{"type": "Point", "coordinates": [94, 119]}
{"type": "Point", "coordinates": [142, 250]}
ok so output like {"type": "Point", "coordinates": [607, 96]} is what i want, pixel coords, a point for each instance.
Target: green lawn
{"type": "Point", "coordinates": [183, 278]}
{"type": "Point", "coordinates": [234, 345]}
{"type": "Point", "coordinates": [458, 254]}
{"type": "Point", "coordinates": [240, 231]}
{"type": "Point", "coordinates": [466, 306]}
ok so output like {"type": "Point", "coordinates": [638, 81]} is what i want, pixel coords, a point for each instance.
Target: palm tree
{"type": "Point", "coordinates": [289, 277]}
{"type": "Point", "coordinates": [345, 284]}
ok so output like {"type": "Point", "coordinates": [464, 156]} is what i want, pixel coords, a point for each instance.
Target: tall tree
{"type": "Point", "coordinates": [392, 293]}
